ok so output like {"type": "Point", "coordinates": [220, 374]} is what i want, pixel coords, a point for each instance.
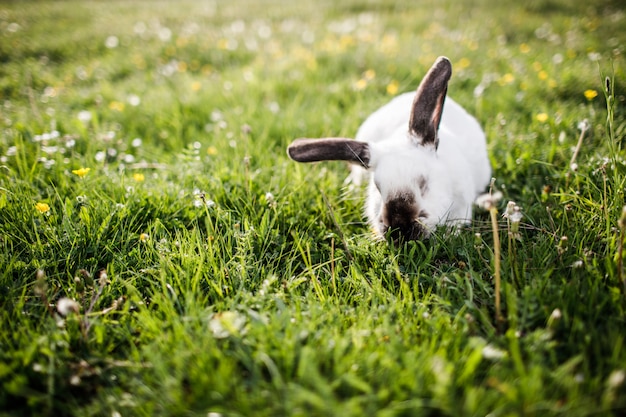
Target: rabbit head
{"type": "Point", "coordinates": [409, 193]}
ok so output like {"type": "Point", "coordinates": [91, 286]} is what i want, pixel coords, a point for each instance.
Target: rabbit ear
{"type": "Point", "coordinates": [330, 149]}
{"type": "Point", "coordinates": [428, 103]}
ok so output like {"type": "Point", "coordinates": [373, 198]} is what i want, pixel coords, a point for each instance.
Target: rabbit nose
{"type": "Point", "coordinates": [411, 231]}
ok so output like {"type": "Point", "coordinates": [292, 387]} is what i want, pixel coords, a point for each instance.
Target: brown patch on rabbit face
{"type": "Point", "coordinates": [422, 183]}
{"type": "Point", "coordinates": [400, 217]}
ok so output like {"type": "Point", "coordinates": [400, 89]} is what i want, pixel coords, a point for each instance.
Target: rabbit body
{"type": "Point", "coordinates": [452, 176]}
{"type": "Point", "coordinates": [425, 155]}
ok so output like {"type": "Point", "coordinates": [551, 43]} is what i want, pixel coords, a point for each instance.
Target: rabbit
{"type": "Point", "coordinates": [427, 162]}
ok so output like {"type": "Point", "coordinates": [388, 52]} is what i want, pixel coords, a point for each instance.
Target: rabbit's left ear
{"type": "Point", "coordinates": [330, 149]}
{"type": "Point", "coordinates": [428, 103]}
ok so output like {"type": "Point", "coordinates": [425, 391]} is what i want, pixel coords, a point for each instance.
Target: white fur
{"type": "Point", "coordinates": [456, 173]}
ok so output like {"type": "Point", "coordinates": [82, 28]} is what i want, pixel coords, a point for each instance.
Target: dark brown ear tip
{"type": "Point", "coordinates": [443, 63]}
{"type": "Point", "coordinates": [294, 148]}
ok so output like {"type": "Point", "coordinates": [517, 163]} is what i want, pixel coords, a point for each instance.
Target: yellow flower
{"type": "Point", "coordinates": [138, 177]}
{"type": "Point", "coordinates": [144, 236]}
{"type": "Point", "coordinates": [542, 117]}
{"type": "Point", "coordinates": [42, 207]}
{"type": "Point", "coordinates": [117, 106]}
{"type": "Point", "coordinates": [524, 48]}
{"type": "Point", "coordinates": [369, 74]}
{"type": "Point", "coordinates": [360, 85]}
{"type": "Point", "coordinates": [507, 78]}
{"type": "Point", "coordinates": [464, 63]}
{"type": "Point", "coordinates": [542, 75]}
{"type": "Point", "coordinates": [392, 88]}
{"type": "Point", "coordinates": [196, 86]}
{"type": "Point", "coordinates": [211, 150]}
{"type": "Point", "coordinates": [590, 94]}
{"type": "Point", "coordinates": [81, 172]}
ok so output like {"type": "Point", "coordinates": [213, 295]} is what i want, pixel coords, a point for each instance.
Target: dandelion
{"type": "Point", "coordinates": [165, 34]}
{"type": "Point", "coordinates": [43, 208]}
{"type": "Point", "coordinates": [66, 306]}
{"type": "Point", "coordinates": [543, 75]}
{"type": "Point", "coordinates": [112, 42]}
{"type": "Point", "coordinates": [464, 63]}
{"type": "Point", "coordinates": [524, 48]}
{"type": "Point", "coordinates": [369, 75]}
{"type": "Point", "coordinates": [134, 100]}
{"type": "Point", "coordinates": [84, 116]}
{"type": "Point", "coordinates": [507, 78]}
{"type": "Point", "coordinates": [392, 88]}
{"type": "Point", "coordinates": [196, 86]}
{"type": "Point", "coordinates": [144, 237]}
{"type": "Point", "coordinates": [489, 202]}
{"type": "Point", "coordinates": [360, 84]}
{"type": "Point", "coordinates": [81, 172]}
{"type": "Point", "coordinates": [514, 216]}
{"type": "Point", "coordinates": [100, 156]}
{"type": "Point", "coordinates": [211, 150]}
{"type": "Point", "coordinates": [542, 117]}
{"type": "Point", "coordinates": [117, 106]}
{"type": "Point", "coordinates": [590, 94]}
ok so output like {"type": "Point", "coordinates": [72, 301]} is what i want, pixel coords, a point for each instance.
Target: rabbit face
{"type": "Point", "coordinates": [397, 198]}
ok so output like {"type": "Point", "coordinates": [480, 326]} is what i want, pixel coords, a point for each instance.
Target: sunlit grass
{"type": "Point", "coordinates": [162, 256]}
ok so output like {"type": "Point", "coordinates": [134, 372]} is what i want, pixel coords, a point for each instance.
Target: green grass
{"type": "Point", "coordinates": [214, 276]}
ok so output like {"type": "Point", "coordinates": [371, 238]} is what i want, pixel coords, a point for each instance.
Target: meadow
{"type": "Point", "coordinates": [161, 255]}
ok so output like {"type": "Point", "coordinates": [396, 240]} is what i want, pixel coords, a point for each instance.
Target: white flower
{"type": "Point", "coordinates": [490, 352]}
{"type": "Point", "coordinates": [577, 264]}
{"type": "Point", "coordinates": [513, 213]}
{"type": "Point", "coordinates": [225, 324]}
{"type": "Point", "coordinates": [488, 200]}
{"type": "Point", "coordinates": [134, 100]}
{"type": "Point", "coordinates": [112, 42]}
{"type": "Point", "coordinates": [556, 314]}
{"type": "Point", "coordinates": [616, 378]}
{"type": "Point", "coordinates": [84, 116]}
{"type": "Point", "coordinates": [100, 156]}
{"type": "Point", "coordinates": [66, 306]}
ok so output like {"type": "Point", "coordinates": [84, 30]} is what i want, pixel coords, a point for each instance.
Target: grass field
{"type": "Point", "coordinates": [161, 255]}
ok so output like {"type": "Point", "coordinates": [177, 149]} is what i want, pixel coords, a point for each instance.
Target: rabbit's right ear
{"type": "Point", "coordinates": [330, 149]}
{"type": "Point", "coordinates": [428, 104]}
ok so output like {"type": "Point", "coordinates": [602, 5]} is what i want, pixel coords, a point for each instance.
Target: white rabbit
{"type": "Point", "coordinates": [427, 162]}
